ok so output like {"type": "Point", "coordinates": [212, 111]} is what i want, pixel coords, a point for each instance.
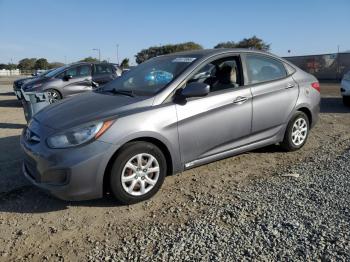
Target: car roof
{"type": "Point", "coordinates": [90, 63]}
{"type": "Point", "coordinates": [205, 53]}
{"type": "Point", "coordinates": [208, 52]}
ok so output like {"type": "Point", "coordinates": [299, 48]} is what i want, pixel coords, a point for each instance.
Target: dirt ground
{"type": "Point", "coordinates": [36, 226]}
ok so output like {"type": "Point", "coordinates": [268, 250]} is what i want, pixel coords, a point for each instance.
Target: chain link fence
{"type": "Point", "coordinates": [329, 67]}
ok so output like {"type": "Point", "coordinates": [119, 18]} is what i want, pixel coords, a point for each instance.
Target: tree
{"type": "Point", "coordinates": [125, 63]}
{"type": "Point", "coordinates": [228, 44]}
{"type": "Point", "coordinates": [11, 66]}
{"type": "Point", "coordinates": [55, 65]}
{"type": "Point", "coordinates": [3, 66]}
{"type": "Point", "coordinates": [42, 64]}
{"type": "Point", "coordinates": [250, 43]}
{"type": "Point", "coordinates": [154, 51]}
{"type": "Point", "coordinates": [89, 59]}
{"type": "Point", "coordinates": [27, 64]}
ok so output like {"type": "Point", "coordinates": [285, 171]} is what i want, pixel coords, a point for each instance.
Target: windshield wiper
{"type": "Point", "coordinates": [122, 92]}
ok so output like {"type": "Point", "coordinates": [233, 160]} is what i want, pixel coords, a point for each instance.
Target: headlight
{"type": "Point", "coordinates": [78, 136]}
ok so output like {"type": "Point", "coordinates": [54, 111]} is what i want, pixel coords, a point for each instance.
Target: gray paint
{"type": "Point", "coordinates": [196, 132]}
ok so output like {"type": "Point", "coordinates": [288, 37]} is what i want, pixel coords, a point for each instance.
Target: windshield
{"type": "Point", "coordinates": [151, 76]}
{"type": "Point", "coordinates": [46, 72]}
{"type": "Point", "coordinates": [55, 71]}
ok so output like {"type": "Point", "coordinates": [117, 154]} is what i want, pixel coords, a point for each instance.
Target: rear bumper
{"type": "Point", "coordinates": [74, 174]}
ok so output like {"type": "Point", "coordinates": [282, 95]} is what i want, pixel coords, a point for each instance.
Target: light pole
{"type": "Point", "coordinates": [99, 53]}
{"type": "Point", "coordinates": [118, 54]}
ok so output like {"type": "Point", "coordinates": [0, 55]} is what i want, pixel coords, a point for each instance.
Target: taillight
{"type": "Point", "coordinates": [316, 85]}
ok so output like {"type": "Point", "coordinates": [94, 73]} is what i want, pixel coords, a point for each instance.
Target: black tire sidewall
{"type": "Point", "coordinates": [288, 141]}
{"type": "Point", "coordinates": [125, 154]}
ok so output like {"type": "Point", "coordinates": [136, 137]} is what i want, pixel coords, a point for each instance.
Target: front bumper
{"type": "Point", "coordinates": [17, 90]}
{"type": "Point", "coordinates": [69, 174]}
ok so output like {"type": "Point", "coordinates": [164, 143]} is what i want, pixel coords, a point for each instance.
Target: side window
{"type": "Point", "coordinates": [73, 71]}
{"type": "Point", "coordinates": [103, 69]}
{"type": "Point", "coordinates": [220, 74]}
{"type": "Point", "coordinates": [85, 70]}
{"type": "Point", "coordinates": [263, 69]}
{"type": "Point", "coordinates": [113, 69]}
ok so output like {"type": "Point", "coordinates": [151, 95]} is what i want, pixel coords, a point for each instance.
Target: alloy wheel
{"type": "Point", "coordinates": [140, 174]}
{"type": "Point", "coordinates": [299, 131]}
{"type": "Point", "coordinates": [53, 96]}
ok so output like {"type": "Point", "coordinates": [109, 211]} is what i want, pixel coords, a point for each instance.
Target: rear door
{"type": "Point", "coordinates": [81, 80]}
{"type": "Point", "coordinates": [274, 93]}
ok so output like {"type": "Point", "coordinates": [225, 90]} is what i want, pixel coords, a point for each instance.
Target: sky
{"type": "Point", "coordinates": [68, 30]}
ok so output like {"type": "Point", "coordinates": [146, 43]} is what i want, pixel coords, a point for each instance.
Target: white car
{"type": "Point", "coordinates": [345, 89]}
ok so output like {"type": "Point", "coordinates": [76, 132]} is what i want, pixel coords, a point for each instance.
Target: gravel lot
{"type": "Point", "coordinates": [262, 205]}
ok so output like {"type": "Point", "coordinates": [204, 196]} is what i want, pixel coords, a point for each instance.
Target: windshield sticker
{"type": "Point", "coordinates": [184, 60]}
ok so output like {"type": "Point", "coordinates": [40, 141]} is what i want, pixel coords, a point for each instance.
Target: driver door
{"type": "Point", "coordinates": [216, 123]}
{"type": "Point", "coordinates": [81, 80]}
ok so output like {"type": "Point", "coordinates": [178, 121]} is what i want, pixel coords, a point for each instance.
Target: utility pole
{"type": "Point", "coordinates": [338, 76]}
{"type": "Point", "coordinates": [99, 53]}
{"type": "Point", "coordinates": [118, 54]}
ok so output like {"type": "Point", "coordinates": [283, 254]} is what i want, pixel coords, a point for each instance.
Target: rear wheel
{"type": "Point", "coordinates": [346, 100]}
{"type": "Point", "coordinates": [297, 132]}
{"type": "Point", "coordinates": [53, 95]}
{"type": "Point", "coordinates": [138, 172]}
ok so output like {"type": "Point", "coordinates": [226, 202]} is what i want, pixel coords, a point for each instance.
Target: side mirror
{"type": "Point", "coordinates": [195, 89]}
{"type": "Point", "coordinates": [67, 77]}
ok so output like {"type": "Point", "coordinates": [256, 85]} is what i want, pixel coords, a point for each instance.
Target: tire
{"type": "Point", "coordinates": [53, 95]}
{"type": "Point", "coordinates": [346, 100]}
{"type": "Point", "coordinates": [297, 124]}
{"type": "Point", "coordinates": [130, 192]}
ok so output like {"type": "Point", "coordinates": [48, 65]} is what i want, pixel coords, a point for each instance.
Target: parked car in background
{"type": "Point", "coordinates": [72, 79]}
{"type": "Point", "coordinates": [168, 114]}
{"type": "Point", "coordinates": [39, 72]}
{"type": "Point", "coordinates": [345, 88]}
{"type": "Point", "coordinates": [19, 82]}
{"type": "Point", "coordinates": [118, 70]}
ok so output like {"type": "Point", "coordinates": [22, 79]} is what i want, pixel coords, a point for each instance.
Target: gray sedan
{"type": "Point", "coordinates": [168, 114]}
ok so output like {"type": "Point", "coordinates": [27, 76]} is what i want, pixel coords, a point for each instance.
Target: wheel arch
{"type": "Point", "coordinates": [307, 112]}
{"type": "Point", "coordinates": [160, 144]}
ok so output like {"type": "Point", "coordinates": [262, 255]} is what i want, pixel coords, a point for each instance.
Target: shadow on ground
{"type": "Point", "coordinates": [10, 103]}
{"type": "Point", "coordinates": [12, 126]}
{"type": "Point", "coordinates": [7, 94]}
{"type": "Point", "coordinates": [333, 105]}
{"type": "Point", "coordinates": [17, 195]}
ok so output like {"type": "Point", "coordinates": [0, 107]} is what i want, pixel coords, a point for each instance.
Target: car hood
{"type": "Point", "coordinates": [23, 80]}
{"type": "Point", "coordinates": [88, 107]}
{"type": "Point", "coordinates": [34, 81]}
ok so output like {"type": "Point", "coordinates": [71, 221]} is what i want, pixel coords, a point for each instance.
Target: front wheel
{"type": "Point", "coordinates": [53, 96]}
{"type": "Point", "coordinates": [138, 172]}
{"type": "Point", "coordinates": [297, 132]}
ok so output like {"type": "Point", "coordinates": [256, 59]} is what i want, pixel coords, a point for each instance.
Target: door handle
{"type": "Point", "coordinates": [289, 85]}
{"type": "Point", "coordinates": [240, 100]}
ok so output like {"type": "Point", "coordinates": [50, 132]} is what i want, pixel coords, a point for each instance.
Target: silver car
{"type": "Point", "coordinates": [169, 114]}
